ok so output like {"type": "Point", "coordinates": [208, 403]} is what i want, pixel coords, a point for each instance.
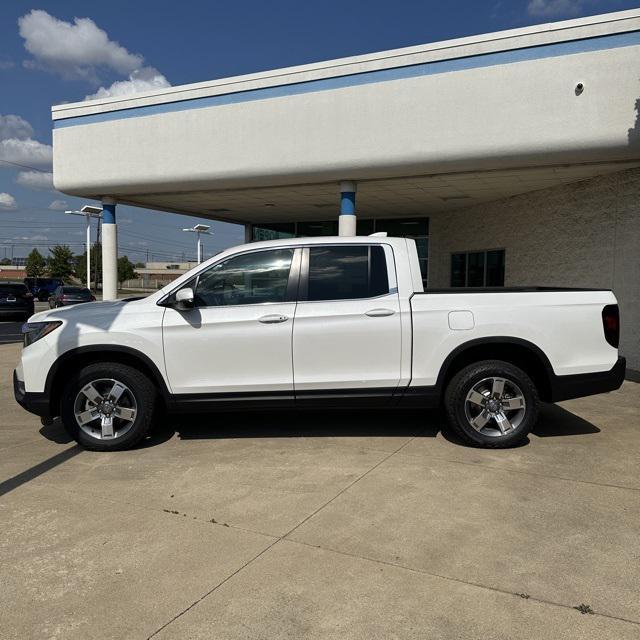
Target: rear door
{"type": "Point", "coordinates": [347, 332]}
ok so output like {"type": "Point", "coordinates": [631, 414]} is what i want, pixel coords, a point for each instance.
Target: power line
{"type": "Point", "coordinates": [24, 166]}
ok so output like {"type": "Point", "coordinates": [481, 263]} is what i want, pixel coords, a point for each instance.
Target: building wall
{"type": "Point", "coordinates": [586, 234]}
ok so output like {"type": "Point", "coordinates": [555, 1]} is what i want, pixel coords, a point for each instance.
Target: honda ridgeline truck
{"type": "Point", "coordinates": [318, 322]}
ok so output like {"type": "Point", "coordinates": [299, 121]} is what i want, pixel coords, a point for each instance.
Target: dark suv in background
{"type": "Point", "coordinates": [15, 300]}
{"type": "Point", "coordinates": [42, 288]}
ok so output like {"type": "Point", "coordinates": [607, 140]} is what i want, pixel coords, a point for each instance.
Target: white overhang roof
{"type": "Point", "coordinates": [421, 129]}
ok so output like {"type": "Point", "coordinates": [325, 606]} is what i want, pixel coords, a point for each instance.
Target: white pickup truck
{"type": "Point", "coordinates": [318, 322]}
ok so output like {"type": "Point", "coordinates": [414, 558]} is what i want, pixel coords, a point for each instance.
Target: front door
{"type": "Point", "coordinates": [237, 338]}
{"type": "Point", "coordinates": [347, 330]}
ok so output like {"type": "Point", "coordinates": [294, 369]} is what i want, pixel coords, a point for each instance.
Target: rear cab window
{"type": "Point", "coordinates": [346, 272]}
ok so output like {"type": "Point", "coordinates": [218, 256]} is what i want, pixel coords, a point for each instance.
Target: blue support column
{"type": "Point", "coordinates": [347, 218]}
{"type": "Point", "coordinates": [109, 250]}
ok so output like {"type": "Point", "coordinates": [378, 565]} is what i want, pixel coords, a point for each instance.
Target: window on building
{"type": "Point", "coordinates": [273, 231]}
{"type": "Point", "coordinates": [250, 278]}
{"type": "Point", "coordinates": [478, 268]}
{"type": "Point", "coordinates": [347, 273]}
{"type": "Point", "coordinates": [321, 228]}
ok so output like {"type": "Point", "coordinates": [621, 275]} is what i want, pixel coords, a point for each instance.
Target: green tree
{"type": "Point", "coordinates": [96, 265]}
{"type": "Point", "coordinates": [36, 264]}
{"type": "Point", "coordinates": [5, 262]}
{"type": "Point", "coordinates": [125, 270]}
{"type": "Point", "coordinates": [61, 262]}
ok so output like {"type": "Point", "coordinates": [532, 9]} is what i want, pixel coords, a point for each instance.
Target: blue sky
{"type": "Point", "coordinates": [45, 60]}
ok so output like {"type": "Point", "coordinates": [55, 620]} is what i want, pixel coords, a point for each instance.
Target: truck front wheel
{"type": "Point", "coordinates": [491, 404]}
{"type": "Point", "coordinates": [108, 406]}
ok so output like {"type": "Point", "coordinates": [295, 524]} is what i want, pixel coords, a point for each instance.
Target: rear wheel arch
{"type": "Point", "coordinates": [521, 353]}
{"type": "Point", "coordinates": [73, 360]}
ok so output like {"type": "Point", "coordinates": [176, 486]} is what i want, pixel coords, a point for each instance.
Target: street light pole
{"type": "Point", "coordinates": [199, 229]}
{"type": "Point", "coordinates": [88, 252]}
{"type": "Point", "coordinates": [88, 211]}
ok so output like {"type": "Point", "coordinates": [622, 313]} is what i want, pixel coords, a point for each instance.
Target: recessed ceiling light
{"type": "Point", "coordinates": [219, 210]}
{"type": "Point", "coordinates": [447, 198]}
{"type": "Point", "coordinates": [269, 204]}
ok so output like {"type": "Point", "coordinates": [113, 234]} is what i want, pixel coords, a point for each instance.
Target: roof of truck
{"type": "Point", "coordinates": [293, 242]}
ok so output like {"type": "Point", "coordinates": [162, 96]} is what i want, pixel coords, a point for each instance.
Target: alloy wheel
{"type": "Point", "coordinates": [105, 409]}
{"type": "Point", "coordinates": [495, 406]}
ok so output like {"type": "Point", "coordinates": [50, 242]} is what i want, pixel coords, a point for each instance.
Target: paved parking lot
{"type": "Point", "coordinates": [324, 525]}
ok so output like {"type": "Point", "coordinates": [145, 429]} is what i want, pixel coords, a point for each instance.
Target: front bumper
{"type": "Point", "coordinates": [588, 384]}
{"type": "Point", "coordinates": [37, 403]}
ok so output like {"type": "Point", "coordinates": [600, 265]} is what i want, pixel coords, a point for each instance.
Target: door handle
{"type": "Point", "coordinates": [273, 319]}
{"type": "Point", "coordinates": [379, 313]}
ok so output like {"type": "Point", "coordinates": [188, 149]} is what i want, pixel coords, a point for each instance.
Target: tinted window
{"type": "Point", "coordinates": [251, 278]}
{"type": "Point", "coordinates": [76, 290]}
{"type": "Point", "coordinates": [344, 273]}
{"type": "Point", "coordinates": [13, 289]}
{"type": "Point", "coordinates": [458, 269]}
{"type": "Point", "coordinates": [274, 231]}
{"type": "Point", "coordinates": [323, 228]}
{"type": "Point", "coordinates": [495, 268]}
{"type": "Point", "coordinates": [475, 269]}
{"type": "Point", "coordinates": [478, 269]}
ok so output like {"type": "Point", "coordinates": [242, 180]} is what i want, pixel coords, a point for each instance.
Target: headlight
{"type": "Point", "coordinates": [33, 331]}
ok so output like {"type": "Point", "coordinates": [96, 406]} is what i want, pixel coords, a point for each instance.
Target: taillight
{"type": "Point", "coordinates": [611, 324]}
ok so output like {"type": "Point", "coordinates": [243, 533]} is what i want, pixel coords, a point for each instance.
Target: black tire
{"type": "Point", "coordinates": [141, 394]}
{"type": "Point", "coordinates": [478, 378]}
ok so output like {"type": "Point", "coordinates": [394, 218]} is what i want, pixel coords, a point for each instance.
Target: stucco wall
{"type": "Point", "coordinates": [519, 114]}
{"type": "Point", "coordinates": [586, 234]}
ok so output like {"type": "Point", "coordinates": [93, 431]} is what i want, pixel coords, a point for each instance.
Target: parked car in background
{"type": "Point", "coordinates": [42, 288]}
{"type": "Point", "coordinates": [16, 300]}
{"type": "Point", "coordinates": [66, 295]}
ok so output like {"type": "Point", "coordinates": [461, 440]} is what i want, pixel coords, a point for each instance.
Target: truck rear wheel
{"type": "Point", "coordinates": [491, 404]}
{"type": "Point", "coordinates": [108, 406]}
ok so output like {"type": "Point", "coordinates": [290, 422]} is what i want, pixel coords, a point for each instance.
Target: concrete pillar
{"type": "Point", "coordinates": [248, 233]}
{"type": "Point", "coordinates": [347, 218]}
{"type": "Point", "coordinates": [109, 250]}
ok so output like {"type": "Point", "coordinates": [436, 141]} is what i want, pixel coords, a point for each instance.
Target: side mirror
{"type": "Point", "coordinates": [184, 299]}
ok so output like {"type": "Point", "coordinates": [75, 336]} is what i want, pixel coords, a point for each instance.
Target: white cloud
{"type": "Point", "coordinates": [59, 205]}
{"type": "Point", "coordinates": [26, 152]}
{"type": "Point", "coordinates": [74, 50]}
{"type": "Point", "coordinates": [556, 8]}
{"type": "Point", "coordinates": [17, 145]}
{"type": "Point", "coordinates": [145, 79]}
{"type": "Point", "coordinates": [7, 202]}
{"type": "Point", "coordinates": [12, 126]}
{"type": "Point", "coordinates": [5, 64]}
{"type": "Point", "coordinates": [35, 179]}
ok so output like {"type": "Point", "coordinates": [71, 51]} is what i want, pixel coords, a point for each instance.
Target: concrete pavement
{"type": "Point", "coordinates": [323, 525]}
